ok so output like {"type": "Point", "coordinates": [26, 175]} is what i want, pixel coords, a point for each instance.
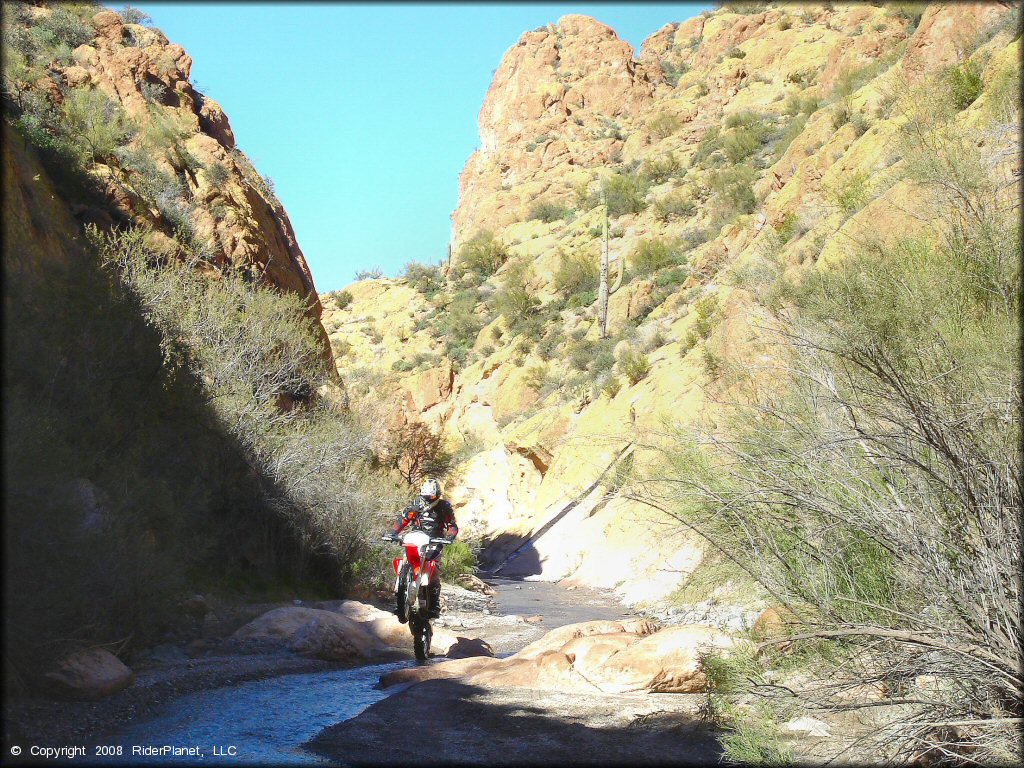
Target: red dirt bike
{"type": "Point", "coordinates": [415, 573]}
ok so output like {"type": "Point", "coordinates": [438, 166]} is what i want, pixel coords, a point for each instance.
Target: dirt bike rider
{"type": "Point", "coordinates": [433, 515]}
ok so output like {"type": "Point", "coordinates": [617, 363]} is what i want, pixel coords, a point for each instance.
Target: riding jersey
{"type": "Point", "coordinates": [433, 518]}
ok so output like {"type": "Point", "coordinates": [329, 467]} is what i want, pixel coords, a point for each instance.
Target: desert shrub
{"type": "Point", "coordinates": [547, 211]}
{"type": "Point", "coordinates": [514, 300]}
{"type": "Point", "coordinates": [536, 377]}
{"type": "Point", "coordinates": [94, 124]}
{"type": "Point", "coordinates": [66, 28]}
{"type": "Point", "coordinates": [740, 143]}
{"type": "Point", "coordinates": [785, 23]}
{"type": "Point", "coordinates": [457, 559]}
{"type": "Point", "coordinates": [661, 169]}
{"type": "Point", "coordinates": [341, 298]}
{"type": "Point", "coordinates": [663, 125]}
{"type": "Point", "coordinates": [625, 193]}
{"type": "Point", "coordinates": [218, 174]}
{"type": "Point", "coordinates": [425, 278]}
{"type": "Point", "coordinates": [911, 12]}
{"type": "Point", "coordinates": [611, 387]}
{"type": "Point", "coordinates": [797, 104]}
{"type": "Point", "coordinates": [702, 89]}
{"type": "Point", "coordinates": [860, 123]}
{"type": "Point", "coordinates": [374, 273]}
{"type": "Point", "coordinates": [674, 71]}
{"type": "Point", "coordinates": [735, 53]}
{"type": "Point", "coordinates": [841, 114]}
{"type": "Point", "coordinates": [577, 273]}
{"type": "Point", "coordinates": [851, 193]}
{"type": "Point", "coordinates": [675, 205]}
{"type": "Point", "coordinates": [733, 192]}
{"type": "Point", "coordinates": [709, 144]}
{"type": "Point", "coordinates": [654, 254]}
{"type": "Point", "coordinates": [634, 365]}
{"type": "Point", "coordinates": [132, 15]}
{"type": "Point", "coordinates": [964, 83]}
{"type": "Point", "coordinates": [482, 254]}
{"type": "Point", "coordinates": [672, 278]}
{"type": "Point", "coordinates": [787, 134]}
{"type": "Point", "coordinates": [153, 93]}
{"type": "Point", "coordinates": [458, 324]}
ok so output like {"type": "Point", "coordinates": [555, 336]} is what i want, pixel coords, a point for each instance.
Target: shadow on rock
{"type": "Point", "coordinates": [470, 725]}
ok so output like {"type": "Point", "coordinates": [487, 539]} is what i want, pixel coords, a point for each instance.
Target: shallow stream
{"type": "Point", "coordinates": [264, 721]}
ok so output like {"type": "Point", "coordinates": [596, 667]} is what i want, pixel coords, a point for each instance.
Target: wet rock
{"type": "Point", "coordinates": [89, 675]}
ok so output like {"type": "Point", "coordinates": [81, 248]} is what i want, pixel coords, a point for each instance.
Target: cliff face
{"type": "Point", "coordinates": [179, 175]}
{"type": "Point", "coordinates": [737, 137]}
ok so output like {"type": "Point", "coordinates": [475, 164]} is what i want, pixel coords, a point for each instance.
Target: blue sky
{"type": "Point", "coordinates": [363, 115]}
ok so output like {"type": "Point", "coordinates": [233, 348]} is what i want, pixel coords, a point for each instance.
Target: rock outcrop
{"type": "Point", "coordinates": [597, 656]}
{"type": "Point", "coordinates": [180, 171]}
{"type": "Point", "coordinates": [746, 138]}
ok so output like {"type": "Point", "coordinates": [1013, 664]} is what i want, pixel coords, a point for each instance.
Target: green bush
{"type": "Point", "coordinates": [733, 192]}
{"type": "Point", "coordinates": [341, 298]}
{"type": "Point", "coordinates": [740, 143]}
{"type": "Point", "coordinates": [625, 194]}
{"type": "Point", "coordinates": [735, 53]}
{"type": "Point", "coordinates": [654, 254]}
{"type": "Point", "coordinates": [425, 278]}
{"type": "Point", "coordinates": [66, 28]}
{"type": "Point", "coordinates": [709, 144]}
{"type": "Point", "coordinates": [663, 124]}
{"type": "Point", "coordinates": [547, 211]}
{"type": "Point", "coordinates": [577, 273]}
{"type": "Point", "coordinates": [674, 71]}
{"type": "Point", "coordinates": [482, 255]}
{"type": "Point", "coordinates": [457, 559]}
{"type": "Point", "coordinates": [672, 277]}
{"type": "Point", "coordinates": [964, 84]}
{"type": "Point", "coordinates": [218, 174]}
{"type": "Point", "coordinates": [675, 205]}
{"type": "Point", "coordinates": [634, 365]}
{"type": "Point", "coordinates": [661, 169]}
{"type": "Point", "coordinates": [851, 194]}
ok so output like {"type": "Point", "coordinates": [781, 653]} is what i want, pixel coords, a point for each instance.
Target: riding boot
{"type": "Point", "coordinates": [435, 601]}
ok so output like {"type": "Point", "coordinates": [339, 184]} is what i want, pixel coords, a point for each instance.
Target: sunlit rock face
{"type": "Point", "coordinates": [555, 454]}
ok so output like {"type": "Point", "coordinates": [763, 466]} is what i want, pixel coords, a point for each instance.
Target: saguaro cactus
{"type": "Point", "coordinates": [603, 291]}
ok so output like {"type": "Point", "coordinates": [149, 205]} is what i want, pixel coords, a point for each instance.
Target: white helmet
{"type": "Point", "coordinates": [431, 489]}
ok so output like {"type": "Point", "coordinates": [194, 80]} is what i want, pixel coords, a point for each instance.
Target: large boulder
{"type": "Point", "coordinates": [549, 670]}
{"type": "Point", "coordinates": [588, 653]}
{"type": "Point", "coordinates": [90, 675]}
{"type": "Point", "coordinates": [664, 662]}
{"type": "Point", "coordinates": [332, 639]}
{"type": "Point", "coordinates": [454, 668]}
{"type": "Point", "coordinates": [309, 631]}
{"type": "Point", "coordinates": [557, 638]}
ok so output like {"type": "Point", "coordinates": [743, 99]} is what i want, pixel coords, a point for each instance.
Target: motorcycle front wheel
{"type": "Point", "coordinates": [421, 640]}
